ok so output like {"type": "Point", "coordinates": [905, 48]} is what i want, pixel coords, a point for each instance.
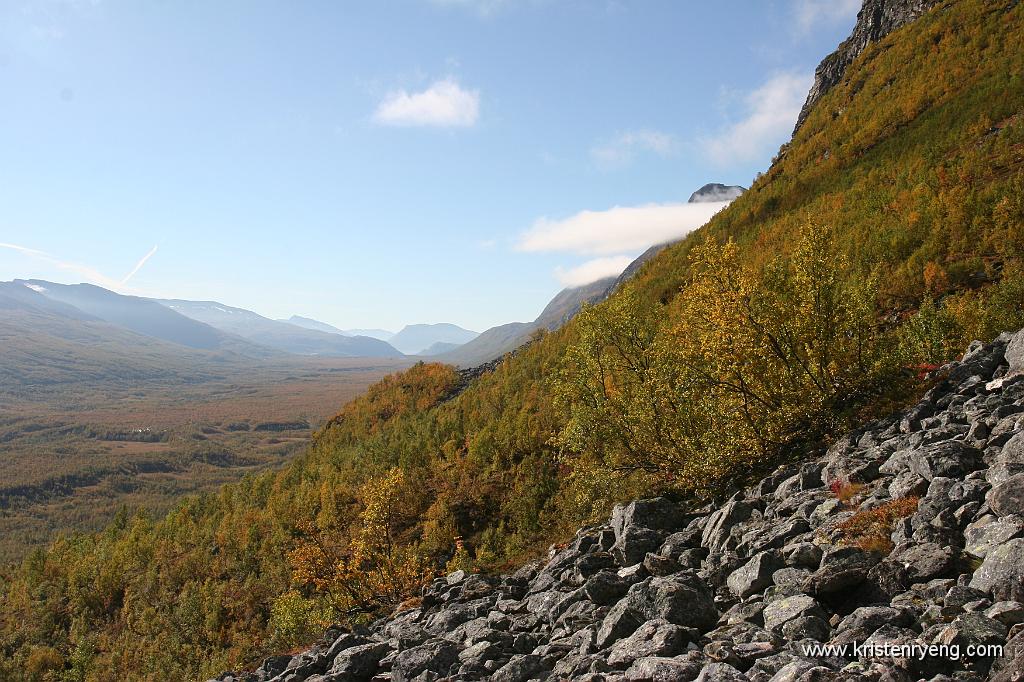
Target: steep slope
{"type": "Point", "coordinates": [280, 335]}
{"type": "Point", "coordinates": [502, 339]}
{"type": "Point", "coordinates": [145, 317]}
{"type": "Point", "coordinates": [876, 20]}
{"type": "Point", "coordinates": [414, 338]}
{"type": "Point", "coordinates": [914, 160]}
{"type": "Point", "coordinates": [317, 325]}
{"type": "Point", "coordinates": [658, 591]}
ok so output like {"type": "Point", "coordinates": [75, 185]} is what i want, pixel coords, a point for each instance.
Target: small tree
{"type": "Point", "coordinates": [372, 569]}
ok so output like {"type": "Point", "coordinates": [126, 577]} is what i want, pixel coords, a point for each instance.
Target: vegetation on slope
{"type": "Point", "coordinates": [912, 168]}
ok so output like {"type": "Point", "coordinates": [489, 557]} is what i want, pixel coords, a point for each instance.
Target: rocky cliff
{"type": "Point", "coordinates": [900, 547]}
{"type": "Point", "coordinates": [876, 19]}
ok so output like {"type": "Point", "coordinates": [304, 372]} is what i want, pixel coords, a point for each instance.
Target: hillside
{"type": "Point", "coordinates": [884, 237]}
{"type": "Point", "coordinates": [309, 323]}
{"type": "Point", "coordinates": [282, 336]}
{"type": "Point", "coordinates": [751, 590]}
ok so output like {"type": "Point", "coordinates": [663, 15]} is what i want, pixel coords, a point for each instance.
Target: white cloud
{"type": "Point", "coordinates": [592, 270]}
{"type": "Point", "coordinates": [623, 149]}
{"type": "Point", "coordinates": [808, 14]}
{"type": "Point", "coordinates": [443, 104]}
{"type": "Point", "coordinates": [771, 112]}
{"type": "Point", "coordinates": [617, 230]}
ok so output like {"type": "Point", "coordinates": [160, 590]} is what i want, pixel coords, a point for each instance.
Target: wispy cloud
{"type": "Point", "coordinates": [809, 14]}
{"type": "Point", "coordinates": [623, 148]}
{"type": "Point", "coordinates": [617, 230]}
{"type": "Point", "coordinates": [443, 104]}
{"type": "Point", "coordinates": [592, 270]}
{"type": "Point", "coordinates": [770, 113]}
{"type": "Point", "coordinates": [481, 7]}
{"type": "Point", "coordinates": [89, 274]}
{"type": "Point", "coordinates": [138, 266]}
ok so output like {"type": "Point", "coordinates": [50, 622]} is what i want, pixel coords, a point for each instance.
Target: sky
{"type": "Point", "coordinates": [387, 162]}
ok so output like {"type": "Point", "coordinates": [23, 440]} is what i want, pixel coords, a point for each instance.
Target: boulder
{"type": "Point", "coordinates": [1008, 497]}
{"type": "Point", "coordinates": [654, 638]}
{"type": "Point", "coordinates": [682, 599]}
{"type": "Point", "coordinates": [436, 657]}
{"type": "Point", "coordinates": [781, 611]}
{"type": "Point", "coordinates": [1002, 572]}
{"type": "Point", "coordinates": [755, 575]}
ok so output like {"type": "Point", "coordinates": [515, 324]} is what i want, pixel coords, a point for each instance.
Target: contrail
{"type": "Point", "coordinates": [90, 274]}
{"type": "Point", "coordinates": [24, 249]}
{"type": "Point", "coordinates": [138, 266]}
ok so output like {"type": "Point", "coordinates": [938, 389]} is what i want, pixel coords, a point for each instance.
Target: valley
{"type": "Point", "coordinates": [73, 459]}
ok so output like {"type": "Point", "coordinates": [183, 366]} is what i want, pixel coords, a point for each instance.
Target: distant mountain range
{"type": "Point", "coordinates": [499, 340]}
{"type": "Point", "coordinates": [283, 336]}
{"type": "Point", "coordinates": [317, 325]}
{"type": "Point", "coordinates": [416, 338]}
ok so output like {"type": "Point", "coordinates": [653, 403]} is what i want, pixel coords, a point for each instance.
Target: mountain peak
{"type": "Point", "coordinates": [716, 191]}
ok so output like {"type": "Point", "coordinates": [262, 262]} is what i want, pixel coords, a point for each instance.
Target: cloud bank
{"type": "Point", "coordinates": [771, 113]}
{"type": "Point", "coordinates": [445, 104]}
{"type": "Point", "coordinates": [617, 230]}
{"type": "Point", "coordinates": [592, 270]}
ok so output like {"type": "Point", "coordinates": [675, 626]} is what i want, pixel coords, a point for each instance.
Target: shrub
{"type": "Point", "coordinates": [870, 529]}
{"type": "Point", "coordinates": [759, 361]}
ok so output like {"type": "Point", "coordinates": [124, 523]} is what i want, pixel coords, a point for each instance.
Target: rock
{"type": "Point", "coordinates": [721, 522]}
{"type": "Point", "coordinates": [605, 588]}
{"type": "Point", "coordinates": [1006, 612]}
{"type": "Point", "coordinates": [656, 514]}
{"type": "Point", "coordinates": [359, 663]}
{"type": "Point", "coordinates": [682, 599]}
{"type": "Point", "coordinates": [806, 627]}
{"type": "Point", "coordinates": [520, 668]}
{"type": "Point", "coordinates": [755, 575]}
{"type": "Point", "coordinates": [803, 555]}
{"type": "Point", "coordinates": [780, 612]}
{"type": "Point", "coordinates": [620, 622]}
{"type": "Point", "coordinates": [949, 459]}
{"type": "Point", "coordinates": [1002, 572]}
{"type": "Point", "coordinates": [1014, 355]}
{"type": "Point", "coordinates": [972, 629]}
{"type": "Point", "coordinates": [661, 669]}
{"type": "Point", "coordinates": [1008, 497]}
{"type": "Point", "coordinates": [927, 561]}
{"type": "Point", "coordinates": [988, 532]}
{"type": "Point", "coordinates": [720, 672]}
{"type": "Point", "coordinates": [436, 657]}
{"type": "Point", "coordinates": [841, 569]}
{"type": "Point", "coordinates": [653, 638]}
{"type": "Point", "coordinates": [866, 620]}
{"type": "Point", "coordinates": [1010, 666]}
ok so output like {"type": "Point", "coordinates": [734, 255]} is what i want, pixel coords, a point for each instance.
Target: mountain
{"type": "Point", "coordinates": [414, 338]}
{"type": "Point", "coordinates": [714, 191]}
{"type": "Point", "coordinates": [282, 336]}
{"type": "Point", "coordinates": [438, 348]}
{"type": "Point", "coordinates": [145, 317]}
{"type": "Point", "coordinates": [905, 178]}
{"type": "Point", "coordinates": [46, 344]}
{"type": "Point", "coordinates": [382, 334]}
{"type": "Point", "coordinates": [875, 20]}
{"type": "Point", "coordinates": [499, 340]}
{"type": "Point", "coordinates": [316, 325]}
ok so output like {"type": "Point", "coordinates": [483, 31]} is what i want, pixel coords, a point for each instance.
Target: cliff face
{"type": "Point", "coordinates": [876, 19]}
{"type": "Point", "coordinates": [907, 533]}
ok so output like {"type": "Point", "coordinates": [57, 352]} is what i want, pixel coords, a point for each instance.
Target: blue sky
{"type": "Point", "coordinates": [378, 163]}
